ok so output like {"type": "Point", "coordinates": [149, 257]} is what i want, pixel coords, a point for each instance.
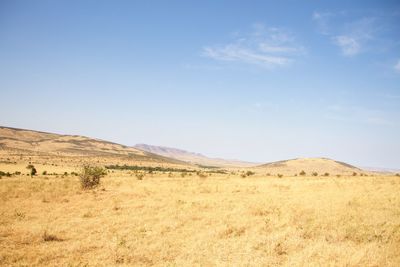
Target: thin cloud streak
{"type": "Point", "coordinates": [266, 47]}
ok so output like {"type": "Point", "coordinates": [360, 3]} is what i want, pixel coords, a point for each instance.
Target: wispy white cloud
{"type": "Point", "coordinates": [349, 45]}
{"type": "Point", "coordinates": [397, 66]}
{"type": "Point", "coordinates": [322, 21]}
{"type": "Point", "coordinates": [267, 47]}
{"type": "Point", "coordinates": [351, 36]}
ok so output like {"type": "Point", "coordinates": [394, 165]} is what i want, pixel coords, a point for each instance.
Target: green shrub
{"type": "Point", "coordinates": [302, 173]}
{"type": "Point", "coordinates": [33, 169]}
{"type": "Point", "coordinates": [90, 176]}
{"type": "Point", "coordinates": [44, 172]}
{"type": "Point", "coordinates": [315, 174]}
{"type": "Point", "coordinates": [326, 174]}
{"type": "Point", "coordinates": [7, 174]}
{"type": "Point", "coordinates": [280, 175]}
{"type": "Point", "coordinates": [249, 173]}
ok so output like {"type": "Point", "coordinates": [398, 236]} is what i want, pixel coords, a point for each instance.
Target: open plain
{"type": "Point", "coordinates": [213, 220]}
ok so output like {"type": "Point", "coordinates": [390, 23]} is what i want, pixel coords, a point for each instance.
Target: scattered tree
{"type": "Point", "coordinates": [33, 169]}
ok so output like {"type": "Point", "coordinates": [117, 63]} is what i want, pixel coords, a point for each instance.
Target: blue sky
{"type": "Point", "coordinates": [251, 80]}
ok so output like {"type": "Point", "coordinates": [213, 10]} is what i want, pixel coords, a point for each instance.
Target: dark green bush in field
{"type": "Point", "coordinates": [90, 176]}
{"type": "Point", "coordinates": [33, 169]}
{"type": "Point", "coordinates": [7, 174]}
{"type": "Point", "coordinates": [249, 173]}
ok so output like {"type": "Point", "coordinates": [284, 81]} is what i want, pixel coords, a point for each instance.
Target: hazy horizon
{"type": "Point", "coordinates": [260, 82]}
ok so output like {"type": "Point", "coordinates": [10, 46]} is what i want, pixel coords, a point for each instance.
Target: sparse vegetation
{"type": "Point", "coordinates": [288, 224]}
{"type": "Point", "coordinates": [302, 173]}
{"type": "Point", "coordinates": [158, 169]}
{"type": "Point", "coordinates": [314, 173]}
{"type": "Point", "coordinates": [90, 176]}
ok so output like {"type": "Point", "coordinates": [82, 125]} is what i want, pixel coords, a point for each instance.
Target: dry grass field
{"type": "Point", "coordinates": [219, 220]}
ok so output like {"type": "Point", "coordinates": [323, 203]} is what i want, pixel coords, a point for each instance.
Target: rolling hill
{"type": "Point", "coordinates": [309, 165]}
{"type": "Point", "coordinates": [30, 142]}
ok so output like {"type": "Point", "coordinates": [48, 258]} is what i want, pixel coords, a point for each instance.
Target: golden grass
{"type": "Point", "coordinates": [222, 220]}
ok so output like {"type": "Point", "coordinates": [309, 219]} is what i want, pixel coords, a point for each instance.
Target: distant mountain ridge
{"type": "Point", "coordinates": [193, 158]}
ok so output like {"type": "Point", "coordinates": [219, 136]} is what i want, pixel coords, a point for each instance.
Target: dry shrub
{"type": "Point", "coordinates": [90, 176]}
{"type": "Point", "coordinates": [139, 176]}
{"type": "Point", "coordinates": [49, 237]}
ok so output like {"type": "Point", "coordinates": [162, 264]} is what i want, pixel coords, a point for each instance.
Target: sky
{"type": "Point", "coordinates": [252, 80]}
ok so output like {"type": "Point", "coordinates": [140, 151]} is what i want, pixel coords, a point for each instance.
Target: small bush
{"type": "Point", "coordinates": [354, 174]}
{"type": "Point", "coordinates": [90, 176]}
{"type": "Point", "coordinates": [48, 237]}
{"type": "Point", "coordinates": [249, 173]}
{"type": "Point", "coordinates": [280, 175]}
{"type": "Point", "coordinates": [44, 172]}
{"type": "Point", "coordinates": [201, 174]}
{"type": "Point", "coordinates": [139, 176]}
{"type": "Point", "coordinates": [326, 174]}
{"type": "Point", "coordinates": [315, 174]}
{"type": "Point", "coordinates": [302, 173]}
{"type": "Point", "coordinates": [398, 174]}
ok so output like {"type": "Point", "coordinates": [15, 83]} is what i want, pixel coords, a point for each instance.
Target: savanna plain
{"type": "Point", "coordinates": [174, 219]}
